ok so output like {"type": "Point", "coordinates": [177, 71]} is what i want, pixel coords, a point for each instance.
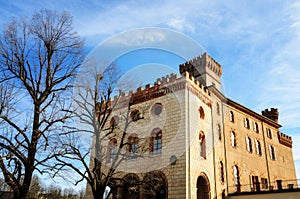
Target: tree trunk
{"type": "Point", "coordinates": [20, 193]}
{"type": "Point", "coordinates": [98, 194]}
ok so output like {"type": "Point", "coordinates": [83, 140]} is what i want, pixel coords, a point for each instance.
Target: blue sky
{"type": "Point", "coordinates": [256, 42]}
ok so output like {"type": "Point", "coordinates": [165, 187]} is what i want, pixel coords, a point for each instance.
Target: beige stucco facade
{"type": "Point", "coordinates": [196, 124]}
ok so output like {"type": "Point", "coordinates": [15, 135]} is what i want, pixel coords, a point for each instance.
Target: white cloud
{"type": "Point", "coordinates": [139, 37]}
{"type": "Point", "coordinates": [181, 25]}
{"type": "Point", "coordinates": [258, 42]}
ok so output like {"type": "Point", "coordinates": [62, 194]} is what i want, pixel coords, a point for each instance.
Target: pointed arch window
{"type": "Point", "coordinates": [272, 152]}
{"type": "Point", "coordinates": [114, 121]}
{"type": "Point", "coordinates": [202, 142]}
{"type": "Point", "coordinates": [135, 115]}
{"type": "Point", "coordinates": [269, 133]}
{"type": "Point", "coordinates": [233, 139]}
{"type": "Point", "coordinates": [201, 111]}
{"type": "Point", "coordinates": [222, 172]}
{"type": "Point", "coordinates": [256, 128]}
{"type": "Point", "coordinates": [218, 108]}
{"type": "Point", "coordinates": [258, 148]}
{"type": "Point", "coordinates": [247, 123]}
{"type": "Point", "coordinates": [236, 174]}
{"type": "Point", "coordinates": [249, 144]}
{"type": "Point", "coordinates": [231, 116]}
{"type": "Point", "coordinates": [156, 142]}
{"type": "Point", "coordinates": [219, 132]}
{"type": "Point", "coordinates": [133, 145]}
{"type": "Point", "coordinates": [112, 151]}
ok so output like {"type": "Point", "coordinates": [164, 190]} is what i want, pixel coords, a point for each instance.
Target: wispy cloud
{"type": "Point", "coordinates": [257, 42]}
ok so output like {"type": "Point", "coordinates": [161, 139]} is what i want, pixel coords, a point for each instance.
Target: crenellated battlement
{"type": "Point", "coordinates": [205, 61]}
{"type": "Point", "coordinates": [162, 86]}
{"type": "Point", "coordinates": [285, 139]}
{"type": "Point", "coordinates": [272, 114]}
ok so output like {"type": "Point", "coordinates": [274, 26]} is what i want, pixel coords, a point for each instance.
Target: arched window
{"type": "Point", "coordinates": [112, 150]}
{"type": "Point", "coordinates": [231, 116]}
{"type": "Point", "coordinates": [135, 115]}
{"type": "Point", "coordinates": [249, 144]}
{"type": "Point", "coordinates": [201, 111]}
{"type": "Point", "coordinates": [221, 171]}
{"type": "Point", "coordinates": [269, 133]}
{"type": "Point", "coordinates": [114, 121]}
{"type": "Point", "coordinates": [219, 132]}
{"type": "Point", "coordinates": [218, 108]}
{"type": "Point", "coordinates": [133, 145]}
{"type": "Point", "coordinates": [202, 144]}
{"type": "Point", "coordinates": [156, 142]}
{"type": "Point", "coordinates": [256, 128]}
{"type": "Point", "coordinates": [258, 148]}
{"type": "Point", "coordinates": [272, 152]}
{"type": "Point", "coordinates": [247, 123]}
{"type": "Point", "coordinates": [236, 174]}
{"type": "Point", "coordinates": [233, 139]}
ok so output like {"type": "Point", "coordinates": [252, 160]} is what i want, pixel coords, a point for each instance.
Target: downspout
{"type": "Point", "coordinates": [188, 144]}
{"type": "Point", "coordinates": [266, 155]}
{"type": "Point", "coordinates": [225, 153]}
{"type": "Point", "coordinates": [214, 155]}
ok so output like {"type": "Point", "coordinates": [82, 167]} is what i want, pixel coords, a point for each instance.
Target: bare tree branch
{"type": "Point", "coordinates": [38, 60]}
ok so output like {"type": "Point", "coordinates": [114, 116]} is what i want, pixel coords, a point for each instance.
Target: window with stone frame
{"type": "Point", "coordinates": [219, 132]}
{"type": "Point", "coordinates": [258, 147]}
{"type": "Point", "coordinates": [222, 178]}
{"type": "Point", "coordinates": [202, 146]}
{"type": "Point", "coordinates": [201, 112]}
{"type": "Point", "coordinates": [256, 128]}
{"type": "Point", "coordinates": [156, 142]}
{"type": "Point", "coordinates": [264, 183]}
{"type": "Point", "coordinates": [272, 152]}
{"type": "Point", "coordinates": [114, 121]}
{"type": "Point", "coordinates": [233, 139]}
{"type": "Point", "coordinates": [269, 133]}
{"type": "Point", "coordinates": [157, 109]}
{"type": "Point", "coordinates": [247, 123]}
{"type": "Point", "coordinates": [231, 116]}
{"type": "Point", "coordinates": [249, 144]}
{"type": "Point", "coordinates": [135, 115]}
{"type": "Point", "coordinates": [133, 146]}
{"type": "Point", "coordinates": [112, 151]}
{"type": "Point", "coordinates": [236, 174]}
{"type": "Point", "coordinates": [218, 108]}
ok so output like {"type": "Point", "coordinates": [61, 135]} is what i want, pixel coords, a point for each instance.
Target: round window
{"type": "Point", "coordinates": [157, 109]}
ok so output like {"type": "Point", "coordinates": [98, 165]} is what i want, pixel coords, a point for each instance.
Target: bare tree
{"type": "Point", "coordinates": [38, 58]}
{"type": "Point", "coordinates": [93, 108]}
{"type": "Point", "coordinates": [35, 188]}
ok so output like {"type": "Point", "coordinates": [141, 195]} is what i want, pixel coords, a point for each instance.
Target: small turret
{"type": "Point", "coordinates": [272, 114]}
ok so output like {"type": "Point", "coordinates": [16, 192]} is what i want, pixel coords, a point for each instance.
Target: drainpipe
{"type": "Point", "coordinates": [266, 155]}
{"type": "Point", "coordinates": [214, 155]}
{"type": "Point", "coordinates": [188, 144]}
{"type": "Point", "coordinates": [225, 153]}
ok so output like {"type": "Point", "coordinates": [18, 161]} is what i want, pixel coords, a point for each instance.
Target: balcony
{"type": "Point", "coordinates": [273, 187]}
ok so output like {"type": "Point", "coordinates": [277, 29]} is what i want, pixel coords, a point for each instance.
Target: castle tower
{"type": "Point", "coordinates": [205, 69]}
{"type": "Point", "coordinates": [271, 114]}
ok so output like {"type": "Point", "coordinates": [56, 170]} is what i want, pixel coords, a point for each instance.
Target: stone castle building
{"type": "Point", "coordinates": [194, 142]}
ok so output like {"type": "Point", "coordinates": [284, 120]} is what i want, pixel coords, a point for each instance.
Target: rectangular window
{"type": "Point", "coordinates": [264, 183]}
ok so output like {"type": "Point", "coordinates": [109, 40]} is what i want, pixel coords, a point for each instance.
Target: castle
{"type": "Point", "coordinates": [199, 143]}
